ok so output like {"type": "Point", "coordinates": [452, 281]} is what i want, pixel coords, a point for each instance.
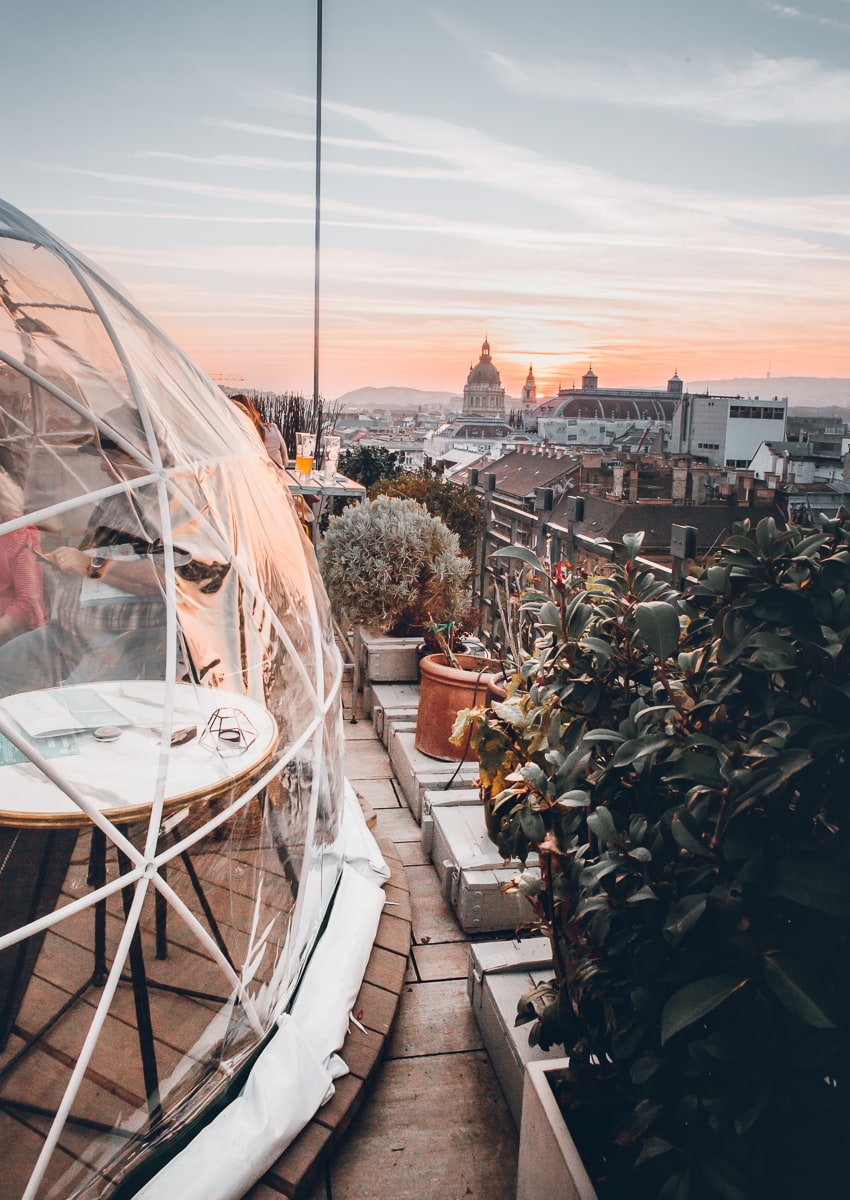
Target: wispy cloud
{"type": "Point", "coordinates": [570, 201]}
{"type": "Point", "coordinates": [755, 89]}
{"type": "Point", "coordinates": [329, 166]}
{"type": "Point", "coordinates": [275, 131]}
{"type": "Point", "coordinates": [597, 200]}
{"type": "Point", "coordinates": [790, 13]}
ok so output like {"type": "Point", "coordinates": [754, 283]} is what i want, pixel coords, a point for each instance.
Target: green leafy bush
{"type": "Point", "coordinates": [680, 767]}
{"type": "Point", "coordinates": [455, 503]}
{"type": "Point", "coordinates": [368, 464]}
{"type": "Point", "coordinates": [388, 563]}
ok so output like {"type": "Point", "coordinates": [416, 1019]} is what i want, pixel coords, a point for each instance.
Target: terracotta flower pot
{"type": "Point", "coordinates": [443, 692]}
{"type": "Point", "coordinates": [497, 688]}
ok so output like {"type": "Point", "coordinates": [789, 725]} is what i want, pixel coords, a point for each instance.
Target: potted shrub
{"type": "Point", "coordinates": [393, 570]}
{"type": "Point", "coordinates": [679, 765]}
{"type": "Point", "coordinates": [449, 684]}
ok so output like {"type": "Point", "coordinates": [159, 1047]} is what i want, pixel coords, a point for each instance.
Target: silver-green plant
{"type": "Point", "coordinates": [389, 563]}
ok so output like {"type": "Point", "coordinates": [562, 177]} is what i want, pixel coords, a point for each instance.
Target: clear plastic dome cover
{"type": "Point", "coordinates": [170, 735]}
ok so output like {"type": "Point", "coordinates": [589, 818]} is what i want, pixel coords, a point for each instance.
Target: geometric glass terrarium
{"type": "Point", "coordinates": [170, 735]}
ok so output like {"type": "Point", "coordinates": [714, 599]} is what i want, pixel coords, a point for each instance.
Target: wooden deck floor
{"type": "Point", "coordinates": [432, 1121]}
{"type": "Point", "coordinates": [420, 1115]}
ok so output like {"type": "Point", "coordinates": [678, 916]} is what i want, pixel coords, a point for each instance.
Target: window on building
{"type": "Point", "coordinates": [751, 413]}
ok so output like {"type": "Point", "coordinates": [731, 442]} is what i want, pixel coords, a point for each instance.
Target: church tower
{"type": "Point", "coordinates": [529, 391]}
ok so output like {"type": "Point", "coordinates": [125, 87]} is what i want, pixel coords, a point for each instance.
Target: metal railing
{"type": "Point", "coordinates": [509, 524]}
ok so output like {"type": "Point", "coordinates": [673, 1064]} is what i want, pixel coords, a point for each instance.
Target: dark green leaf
{"type": "Point", "coordinates": [632, 543]}
{"type": "Point", "coordinates": [652, 1148]}
{"type": "Point", "coordinates": [533, 825]}
{"type": "Point", "coordinates": [796, 988]}
{"type": "Point", "coordinates": [550, 616]}
{"type": "Point", "coordinates": [602, 824]}
{"type": "Point", "coordinates": [695, 1001]}
{"type": "Point", "coordinates": [574, 799]}
{"type": "Point", "coordinates": [725, 1180]}
{"type": "Point", "coordinates": [598, 646]}
{"type": "Point", "coordinates": [696, 768]}
{"type": "Point", "coordinates": [644, 1068]}
{"type": "Point", "coordinates": [658, 623]}
{"type": "Point", "coordinates": [684, 838]}
{"type": "Point", "coordinates": [773, 653]}
{"type": "Point", "coordinates": [677, 1186]}
{"type": "Point", "coordinates": [535, 776]}
{"type": "Point", "coordinates": [637, 749]}
{"type": "Point", "coordinates": [821, 885]}
{"type": "Point", "coordinates": [520, 552]}
{"type": "Point", "coordinates": [683, 915]}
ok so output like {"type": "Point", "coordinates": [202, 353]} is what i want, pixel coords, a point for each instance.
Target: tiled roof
{"type": "Point", "coordinates": [612, 519]}
{"type": "Point", "coordinates": [519, 473]}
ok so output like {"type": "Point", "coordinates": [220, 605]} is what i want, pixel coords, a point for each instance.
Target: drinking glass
{"type": "Point", "coordinates": [331, 454]}
{"type": "Point", "coordinates": [305, 446]}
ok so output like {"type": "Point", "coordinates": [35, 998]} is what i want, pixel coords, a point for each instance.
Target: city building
{"type": "Point", "coordinates": [479, 435]}
{"type": "Point", "coordinates": [595, 416]}
{"type": "Point", "coordinates": [726, 431]}
{"type": "Point", "coordinates": [529, 392]}
{"type": "Point", "coordinates": [483, 395]}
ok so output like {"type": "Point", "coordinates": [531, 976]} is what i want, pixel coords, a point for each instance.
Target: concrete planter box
{"type": "Point", "coordinates": [473, 874]}
{"type": "Point", "coordinates": [499, 973]}
{"type": "Point", "coordinates": [437, 798]}
{"type": "Point", "coordinates": [393, 702]}
{"type": "Point", "coordinates": [384, 659]}
{"type": "Point", "coordinates": [549, 1166]}
{"type": "Point", "coordinates": [416, 772]}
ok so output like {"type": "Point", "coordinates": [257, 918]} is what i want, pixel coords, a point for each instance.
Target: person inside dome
{"type": "Point", "coordinates": [107, 611]}
{"type": "Point", "coordinates": [268, 431]}
{"type": "Point", "coordinates": [21, 585]}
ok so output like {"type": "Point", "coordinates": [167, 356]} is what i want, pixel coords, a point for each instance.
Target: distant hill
{"type": "Point", "coordinates": [366, 399]}
{"type": "Point", "coordinates": [803, 391]}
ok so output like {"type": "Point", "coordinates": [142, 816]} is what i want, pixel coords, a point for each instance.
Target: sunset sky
{"type": "Point", "coordinates": [651, 187]}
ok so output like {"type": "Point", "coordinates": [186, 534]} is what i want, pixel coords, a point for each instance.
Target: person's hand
{"type": "Point", "coordinates": [66, 558]}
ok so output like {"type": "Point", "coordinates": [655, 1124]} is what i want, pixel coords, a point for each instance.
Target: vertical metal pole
{"type": "Point", "coordinates": [318, 202]}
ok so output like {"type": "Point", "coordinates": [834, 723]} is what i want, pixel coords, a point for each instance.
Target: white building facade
{"type": "Point", "coordinates": [726, 430]}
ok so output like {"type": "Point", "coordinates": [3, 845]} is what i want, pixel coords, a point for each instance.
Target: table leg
{"type": "Point", "coordinates": [96, 879]}
{"type": "Point", "coordinates": [33, 866]}
{"type": "Point", "coordinates": [161, 919]}
{"type": "Point", "coordinates": [205, 905]}
{"type": "Point", "coordinates": [141, 999]}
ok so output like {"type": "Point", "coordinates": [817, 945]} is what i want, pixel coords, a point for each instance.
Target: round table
{"type": "Point", "coordinates": [120, 776]}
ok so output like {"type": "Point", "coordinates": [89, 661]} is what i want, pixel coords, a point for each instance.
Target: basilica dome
{"type": "Point", "coordinates": [484, 395]}
{"type": "Point", "coordinates": [484, 373]}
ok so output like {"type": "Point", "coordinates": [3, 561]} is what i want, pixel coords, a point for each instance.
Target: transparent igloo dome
{"type": "Point", "coordinates": [170, 735]}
